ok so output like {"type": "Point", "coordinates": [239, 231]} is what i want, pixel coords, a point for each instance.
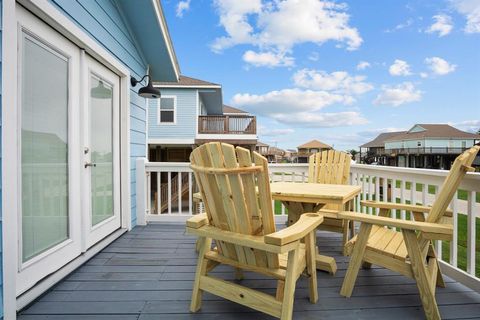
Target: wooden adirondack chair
{"type": "Point", "coordinates": [242, 225]}
{"type": "Point", "coordinates": [331, 167]}
{"type": "Point", "coordinates": [409, 251]}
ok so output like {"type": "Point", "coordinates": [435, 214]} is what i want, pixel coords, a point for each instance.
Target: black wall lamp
{"type": "Point", "coordinates": [147, 92]}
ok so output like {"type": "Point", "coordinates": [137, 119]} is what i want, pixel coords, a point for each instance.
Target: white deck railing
{"type": "Point", "coordinates": [404, 185]}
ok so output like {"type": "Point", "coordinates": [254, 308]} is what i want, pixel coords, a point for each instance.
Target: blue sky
{"type": "Point", "coordinates": [341, 71]}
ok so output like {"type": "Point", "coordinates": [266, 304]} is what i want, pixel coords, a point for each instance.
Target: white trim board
{"type": "Point", "coordinates": [188, 141]}
{"type": "Point", "coordinates": [47, 12]}
{"type": "Point", "coordinates": [226, 136]}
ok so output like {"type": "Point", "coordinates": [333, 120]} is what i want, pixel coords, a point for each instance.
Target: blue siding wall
{"type": "Point", "coordinates": [186, 110]}
{"type": "Point", "coordinates": [104, 22]}
{"type": "Point", "coordinates": [1, 216]}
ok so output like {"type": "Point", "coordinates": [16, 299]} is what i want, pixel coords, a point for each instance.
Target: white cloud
{"type": "Point", "coordinates": [439, 66]}
{"type": "Point", "coordinates": [338, 81]}
{"type": "Point", "coordinates": [467, 125]}
{"type": "Point", "coordinates": [268, 59]}
{"type": "Point", "coordinates": [286, 101]}
{"type": "Point", "coordinates": [280, 25]}
{"type": "Point", "coordinates": [322, 120]}
{"type": "Point", "coordinates": [314, 56]}
{"type": "Point", "coordinates": [182, 7]}
{"type": "Point", "coordinates": [399, 68]}
{"type": "Point", "coordinates": [471, 10]}
{"type": "Point", "coordinates": [264, 131]}
{"type": "Point", "coordinates": [362, 65]}
{"type": "Point", "coordinates": [423, 75]}
{"type": "Point", "coordinates": [443, 25]}
{"type": "Point", "coordinates": [372, 133]}
{"type": "Point", "coordinates": [401, 26]}
{"type": "Point", "coordinates": [398, 95]}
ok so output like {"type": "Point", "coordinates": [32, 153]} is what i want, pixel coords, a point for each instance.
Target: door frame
{"type": "Point", "coordinates": [93, 234]}
{"type": "Point", "coordinates": [49, 14]}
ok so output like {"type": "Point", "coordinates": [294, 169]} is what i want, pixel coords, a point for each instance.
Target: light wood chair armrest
{"type": "Point", "coordinates": [256, 242]}
{"type": "Point", "coordinates": [401, 206]}
{"type": "Point", "coordinates": [197, 197]}
{"type": "Point", "coordinates": [403, 224]}
{"type": "Point", "coordinates": [197, 221]}
{"type": "Point", "coordinates": [306, 224]}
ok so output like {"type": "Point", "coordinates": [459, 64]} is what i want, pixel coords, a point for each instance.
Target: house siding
{"type": "Point", "coordinates": [434, 143]}
{"type": "Point", "coordinates": [1, 197]}
{"type": "Point", "coordinates": [186, 117]}
{"type": "Point", "coordinates": [103, 21]}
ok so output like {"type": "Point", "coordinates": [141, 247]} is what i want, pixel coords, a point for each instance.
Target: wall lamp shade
{"type": "Point", "coordinates": [149, 91]}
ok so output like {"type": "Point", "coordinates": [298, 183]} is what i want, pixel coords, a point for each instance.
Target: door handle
{"type": "Point", "coordinates": [90, 164]}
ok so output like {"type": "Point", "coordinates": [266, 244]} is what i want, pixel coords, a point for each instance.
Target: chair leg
{"type": "Point", "coordinates": [439, 281]}
{"type": "Point", "coordinates": [201, 270]}
{"type": "Point", "coordinates": [356, 260]}
{"type": "Point", "coordinates": [280, 290]}
{"type": "Point", "coordinates": [420, 272]}
{"type": "Point", "coordinates": [290, 281]}
{"type": "Point", "coordinates": [345, 235]}
{"type": "Point", "coordinates": [312, 265]}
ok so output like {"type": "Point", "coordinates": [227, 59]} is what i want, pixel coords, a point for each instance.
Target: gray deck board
{"type": "Point", "coordinates": [148, 273]}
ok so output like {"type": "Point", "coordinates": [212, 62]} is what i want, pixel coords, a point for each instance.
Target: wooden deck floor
{"type": "Point", "coordinates": [148, 274]}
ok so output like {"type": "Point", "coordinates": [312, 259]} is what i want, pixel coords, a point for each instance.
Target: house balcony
{"type": "Point", "coordinates": [235, 129]}
{"type": "Point", "coordinates": [425, 150]}
{"type": "Point", "coordinates": [148, 272]}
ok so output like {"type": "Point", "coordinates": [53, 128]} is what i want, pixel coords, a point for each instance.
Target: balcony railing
{"type": "Point", "coordinates": [231, 124]}
{"type": "Point", "coordinates": [426, 150]}
{"type": "Point", "coordinates": [460, 257]}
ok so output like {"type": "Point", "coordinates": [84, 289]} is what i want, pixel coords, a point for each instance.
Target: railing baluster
{"type": "Point", "coordinates": [413, 195]}
{"type": "Point", "coordinates": [471, 232]}
{"type": "Point", "coordinates": [179, 192]}
{"type": "Point", "coordinates": [158, 209]}
{"type": "Point", "coordinates": [377, 192]}
{"type": "Point", "coordinates": [190, 193]}
{"type": "Point", "coordinates": [169, 191]}
{"type": "Point", "coordinates": [149, 193]}
{"type": "Point", "coordinates": [402, 198]}
{"type": "Point", "coordinates": [454, 242]}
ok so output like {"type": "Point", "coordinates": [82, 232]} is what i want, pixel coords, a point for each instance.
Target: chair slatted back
{"type": "Point", "coordinates": [451, 184]}
{"type": "Point", "coordinates": [329, 167]}
{"type": "Point", "coordinates": [227, 180]}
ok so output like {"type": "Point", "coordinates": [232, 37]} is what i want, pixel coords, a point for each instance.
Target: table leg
{"type": "Point", "coordinates": [295, 210]}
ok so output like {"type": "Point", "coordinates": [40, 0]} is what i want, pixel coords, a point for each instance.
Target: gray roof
{"type": "Point", "coordinates": [228, 109]}
{"type": "Point", "coordinates": [379, 141]}
{"type": "Point", "coordinates": [434, 131]}
{"type": "Point", "coordinates": [186, 81]}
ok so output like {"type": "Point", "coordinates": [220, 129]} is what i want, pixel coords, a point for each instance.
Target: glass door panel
{"type": "Point", "coordinates": [101, 141]}
{"type": "Point", "coordinates": [44, 148]}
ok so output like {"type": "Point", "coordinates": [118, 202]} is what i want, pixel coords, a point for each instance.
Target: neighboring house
{"type": "Point", "coordinates": [190, 113]}
{"type": "Point", "coordinates": [432, 146]}
{"type": "Point", "coordinates": [374, 151]}
{"type": "Point", "coordinates": [307, 149]}
{"type": "Point", "coordinates": [72, 127]}
{"type": "Point", "coordinates": [273, 154]}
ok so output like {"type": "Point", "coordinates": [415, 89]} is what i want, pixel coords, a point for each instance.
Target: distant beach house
{"type": "Point", "coordinates": [433, 146]}
{"type": "Point", "coordinates": [273, 154]}
{"type": "Point", "coordinates": [307, 149]}
{"type": "Point", "coordinates": [190, 113]}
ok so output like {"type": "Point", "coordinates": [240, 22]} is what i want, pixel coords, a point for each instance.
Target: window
{"type": "Point", "coordinates": [166, 109]}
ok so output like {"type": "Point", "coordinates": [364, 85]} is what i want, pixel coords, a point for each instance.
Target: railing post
{"type": "Point", "coordinates": [141, 191]}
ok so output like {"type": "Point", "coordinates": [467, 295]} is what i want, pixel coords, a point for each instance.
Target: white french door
{"type": "Point", "coordinates": [49, 212]}
{"type": "Point", "coordinates": [68, 151]}
{"type": "Point", "coordinates": [101, 151]}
